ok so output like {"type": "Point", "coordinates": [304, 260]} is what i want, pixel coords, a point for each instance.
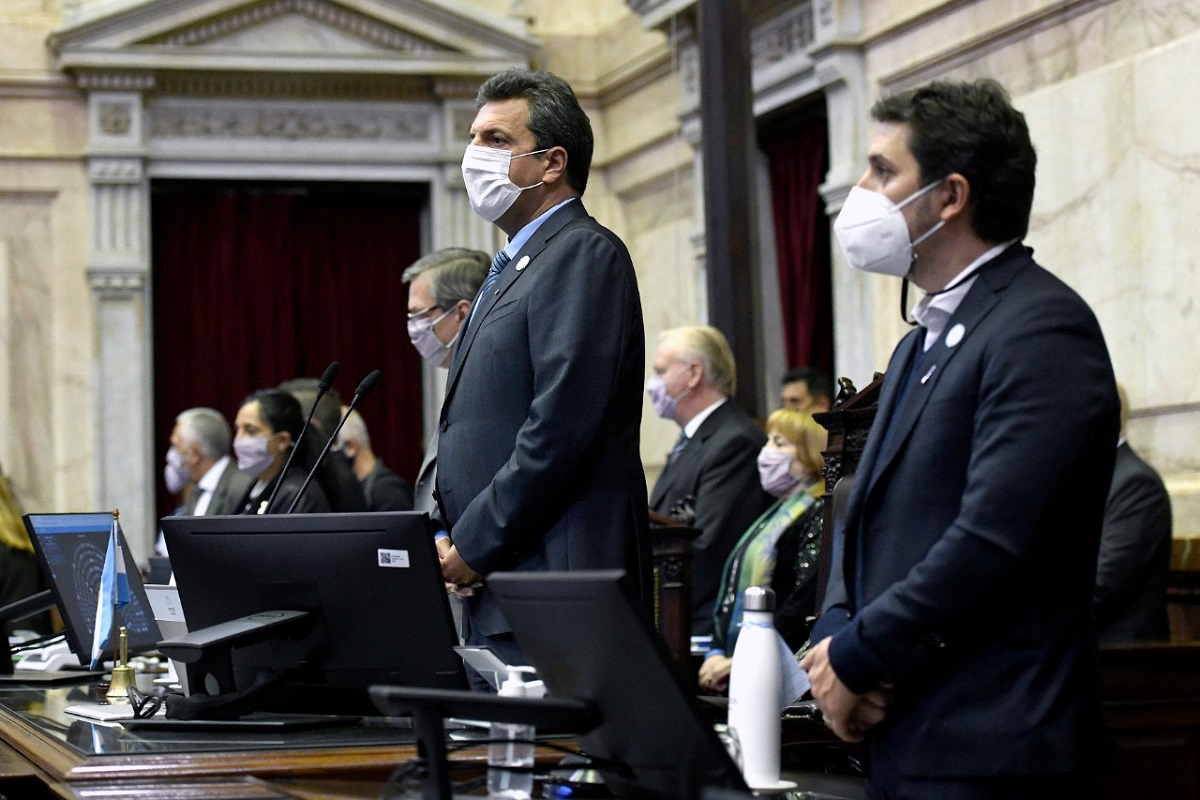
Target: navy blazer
{"type": "Point", "coordinates": [1135, 554]}
{"type": "Point", "coordinates": [538, 450]}
{"type": "Point", "coordinates": [719, 468]}
{"type": "Point", "coordinates": [971, 535]}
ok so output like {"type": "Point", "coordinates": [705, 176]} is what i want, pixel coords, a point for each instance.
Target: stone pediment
{"type": "Point", "coordinates": [434, 38]}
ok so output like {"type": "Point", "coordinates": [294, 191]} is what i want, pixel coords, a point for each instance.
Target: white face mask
{"type": "Point", "coordinates": [874, 235]}
{"type": "Point", "coordinates": [175, 473]}
{"type": "Point", "coordinates": [253, 455]}
{"type": "Point", "coordinates": [431, 348]}
{"type": "Point", "coordinates": [485, 171]}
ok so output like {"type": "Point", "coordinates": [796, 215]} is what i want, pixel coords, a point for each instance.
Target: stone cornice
{"type": "Point", "coordinates": [429, 38]}
{"type": "Point", "coordinates": [975, 47]}
{"type": "Point", "coordinates": [337, 17]}
{"type": "Point", "coordinates": [31, 83]}
{"type": "Point", "coordinates": [117, 281]}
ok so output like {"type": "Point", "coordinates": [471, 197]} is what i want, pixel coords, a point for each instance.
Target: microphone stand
{"type": "Point", "coordinates": [368, 383]}
{"type": "Point", "coordinates": [322, 387]}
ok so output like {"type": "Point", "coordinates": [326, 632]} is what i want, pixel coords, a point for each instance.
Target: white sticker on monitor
{"type": "Point", "coordinates": [393, 558]}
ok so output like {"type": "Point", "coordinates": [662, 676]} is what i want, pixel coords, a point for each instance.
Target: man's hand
{"type": "Point", "coordinates": [847, 714]}
{"type": "Point", "coordinates": [456, 571]}
{"type": "Point", "coordinates": [714, 673]}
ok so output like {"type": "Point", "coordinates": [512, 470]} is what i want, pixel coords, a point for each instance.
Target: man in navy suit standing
{"type": "Point", "coordinates": [538, 455]}
{"type": "Point", "coordinates": [956, 636]}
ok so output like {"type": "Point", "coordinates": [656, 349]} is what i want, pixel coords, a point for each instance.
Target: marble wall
{"type": "Point", "coordinates": [1105, 85]}
{"type": "Point", "coordinates": [1102, 86]}
{"type": "Point", "coordinates": [47, 408]}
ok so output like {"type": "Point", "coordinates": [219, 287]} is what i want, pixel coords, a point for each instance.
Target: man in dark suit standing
{"type": "Point", "coordinates": [713, 466]}
{"type": "Point", "coordinates": [538, 460]}
{"type": "Point", "coordinates": [441, 287]}
{"type": "Point", "coordinates": [957, 634]}
{"type": "Point", "coordinates": [1135, 551]}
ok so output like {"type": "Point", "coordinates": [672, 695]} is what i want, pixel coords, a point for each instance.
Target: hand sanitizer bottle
{"type": "Point", "coordinates": [755, 684]}
{"type": "Point", "coordinates": [512, 746]}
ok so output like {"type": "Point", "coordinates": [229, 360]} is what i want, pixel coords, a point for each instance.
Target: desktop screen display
{"type": "Point", "coordinates": [371, 581]}
{"type": "Point", "coordinates": [587, 642]}
{"type": "Point", "coordinates": [71, 549]}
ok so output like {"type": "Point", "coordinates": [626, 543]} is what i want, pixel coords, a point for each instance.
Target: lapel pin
{"type": "Point", "coordinates": [523, 263]}
{"type": "Point", "coordinates": [955, 335]}
{"type": "Point", "coordinates": [928, 375]}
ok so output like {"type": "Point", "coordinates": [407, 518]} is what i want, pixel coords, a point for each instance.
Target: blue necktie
{"type": "Point", "coordinates": [680, 443]}
{"type": "Point", "coordinates": [498, 264]}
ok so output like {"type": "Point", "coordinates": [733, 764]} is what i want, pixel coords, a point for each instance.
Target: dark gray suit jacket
{"type": "Point", "coordinates": [228, 496]}
{"type": "Point", "coordinates": [972, 532]}
{"type": "Point", "coordinates": [423, 499]}
{"type": "Point", "coordinates": [538, 466]}
{"type": "Point", "coordinates": [1135, 554]}
{"type": "Point", "coordinates": [386, 491]}
{"type": "Point", "coordinates": [719, 468]}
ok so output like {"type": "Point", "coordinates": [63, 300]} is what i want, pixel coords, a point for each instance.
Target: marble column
{"type": "Point", "coordinates": [118, 272]}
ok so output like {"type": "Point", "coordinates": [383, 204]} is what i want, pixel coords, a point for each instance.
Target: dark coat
{"type": "Point", "coordinates": [971, 536]}
{"type": "Point", "coordinates": [538, 463]}
{"type": "Point", "coordinates": [1135, 555]}
{"type": "Point", "coordinates": [719, 468]}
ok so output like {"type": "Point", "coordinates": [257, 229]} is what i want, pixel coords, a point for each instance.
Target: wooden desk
{"type": "Point", "coordinates": [48, 753]}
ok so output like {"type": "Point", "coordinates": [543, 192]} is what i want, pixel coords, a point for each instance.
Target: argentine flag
{"type": "Point", "coordinates": [114, 593]}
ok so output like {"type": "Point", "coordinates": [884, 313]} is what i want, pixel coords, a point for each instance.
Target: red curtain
{"type": "Point", "coordinates": [796, 159]}
{"type": "Point", "coordinates": [253, 286]}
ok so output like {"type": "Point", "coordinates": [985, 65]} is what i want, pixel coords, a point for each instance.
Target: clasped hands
{"type": "Point", "coordinates": [460, 579]}
{"type": "Point", "coordinates": [847, 714]}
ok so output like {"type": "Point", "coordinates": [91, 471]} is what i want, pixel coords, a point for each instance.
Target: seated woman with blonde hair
{"type": "Point", "coordinates": [780, 549]}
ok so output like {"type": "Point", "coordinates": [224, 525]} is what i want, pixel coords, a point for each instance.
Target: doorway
{"type": "Point", "coordinates": [257, 283]}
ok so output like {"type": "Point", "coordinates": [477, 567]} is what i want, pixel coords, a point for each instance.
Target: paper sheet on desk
{"type": "Point", "coordinates": [795, 680]}
{"type": "Point", "coordinates": [164, 601]}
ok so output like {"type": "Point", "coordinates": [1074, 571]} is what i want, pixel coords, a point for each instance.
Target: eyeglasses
{"type": "Point", "coordinates": [147, 705]}
{"type": "Point", "coordinates": [422, 312]}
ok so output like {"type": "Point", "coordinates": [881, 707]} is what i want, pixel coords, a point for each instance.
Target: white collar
{"type": "Point", "coordinates": [208, 482]}
{"type": "Point", "coordinates": [695, 422]}
{"type": "Point", "coordinates": [934, 310]}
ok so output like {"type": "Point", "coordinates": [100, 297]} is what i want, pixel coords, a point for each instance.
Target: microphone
{"type": "Point", "coordinates": [322, 387]}
{"type": "Point", "coordinates": [368, 383]}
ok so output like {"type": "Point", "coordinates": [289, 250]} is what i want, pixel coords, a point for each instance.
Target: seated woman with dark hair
{"type": "Point", "coordinates": [265, 430]}
{"type": "Point", "coordinates": [780, 549]}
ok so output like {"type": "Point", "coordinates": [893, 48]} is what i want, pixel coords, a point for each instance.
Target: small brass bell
{"type": "Point", "coordinates": [123, 675]}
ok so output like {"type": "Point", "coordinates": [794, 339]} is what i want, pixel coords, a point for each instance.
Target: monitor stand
{"type": "Point", "coordinates": [429, 707]}
{"type": "Point", "coordinates": [208, 652]}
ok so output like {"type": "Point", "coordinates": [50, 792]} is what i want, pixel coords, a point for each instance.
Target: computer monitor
{"type": "Point", "coordinates": [588, 641]}
{"type": "Point", "coordinates": [71, 550]}
{"type": "Point", "coordinates": [370, 581]}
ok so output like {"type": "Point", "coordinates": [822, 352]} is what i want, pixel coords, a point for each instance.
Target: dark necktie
{"type": "Point", "coordinates": [680, 443]}
{"type": "Point", "coordinates": [498, 264]}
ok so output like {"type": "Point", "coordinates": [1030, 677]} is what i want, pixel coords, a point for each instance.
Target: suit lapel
{"type": "Point", "coordinates": [980, 300]}
{"type": "Point", "coordinates": [511, 274]}
{"type": "Point", "coordinates": [693, 452]}
{"type": "Point", "coordinates": [886, 410]}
